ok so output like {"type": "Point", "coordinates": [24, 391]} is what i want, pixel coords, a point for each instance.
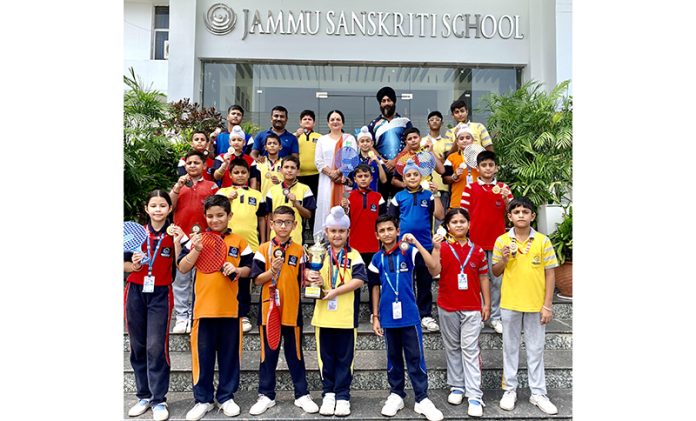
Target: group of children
{"type": "Point", "coordinates": [259, 208]}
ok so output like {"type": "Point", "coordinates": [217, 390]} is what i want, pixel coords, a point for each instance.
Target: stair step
{"type": "Point", "coordinates": [370, 370]}
{"type": "Point", "coordinates": [559, 335]}
{"type": "Point", "coordinates": [366, 405]}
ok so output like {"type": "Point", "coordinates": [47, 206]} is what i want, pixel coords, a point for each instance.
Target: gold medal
{"type": "Point", "coordinates": [496, 189]}
{"type": "Point", "coordinates": [170, 229]}
{"type": "Point", "coordinates": [196, 229]}
{"type": "Point", "coordinates": [371, 154]}
{"type": "Point", "coordinates": [268, 175]}
{"type": "Point", "coordinates": [513, 248]}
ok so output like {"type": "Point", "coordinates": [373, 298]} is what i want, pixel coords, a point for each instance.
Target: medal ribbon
{"type": "Point", "coordinates": [151, 259]}
{"type": "Point", "coordinates": [526, 249]}
{"type": "Point", "coordinates": [385, 271]}
{"type": "Point", "coordinates": [283, 247]}
{"type": "Point", "coordinates": [471, 251]}
{"type": "Point", "coordinates": [336, 273]}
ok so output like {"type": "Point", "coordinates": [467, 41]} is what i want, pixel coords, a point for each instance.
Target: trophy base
{"type": "Point", "coordinates": [312, 292]}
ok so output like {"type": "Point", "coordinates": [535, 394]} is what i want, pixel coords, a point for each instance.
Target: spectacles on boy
{"type": "Point", "coordinates": [282, 223]}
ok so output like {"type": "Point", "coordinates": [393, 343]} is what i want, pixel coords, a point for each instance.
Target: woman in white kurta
{"type": "Point", "coordinates": [324, 154]}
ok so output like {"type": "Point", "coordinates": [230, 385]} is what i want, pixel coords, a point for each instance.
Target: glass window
{"type": "Point", "coordinates": [160, 35]}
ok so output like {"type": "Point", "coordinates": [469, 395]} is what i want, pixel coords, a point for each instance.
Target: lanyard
{"type": "Point", "coordinates": [385, 270]}
{"type": "Point", "coordinates": [336, 273]}
{"type": "Point", "coordinates": [513, 241]}
{"type": "Point", "coordinates": [150, 257]}
{"type": "Point", "coordinates": [282, 247]}
{"type": "Point", "coordinates": [471, 250]}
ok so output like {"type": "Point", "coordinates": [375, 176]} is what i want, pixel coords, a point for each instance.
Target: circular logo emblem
{"type": "Point", "coordinates": [220, 19]}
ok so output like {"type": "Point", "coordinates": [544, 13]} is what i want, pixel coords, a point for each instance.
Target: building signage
{"type": "Point", "coordinates": [222, 20]}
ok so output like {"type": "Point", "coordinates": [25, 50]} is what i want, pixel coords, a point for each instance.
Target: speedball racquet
{"type": "Point", "coordinates": [273, 320]}
{"type": "Point", "coordinates": [134, 235]}
{"type": "Point", "coordinates": [213, 254]}
{"type": "Point", "coordinates": [346, 160]}
{"type": "Point", "coordinates": [470, 154]}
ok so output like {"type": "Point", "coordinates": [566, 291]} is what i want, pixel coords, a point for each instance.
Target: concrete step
{"type": "Point", "coordinates": [366, 405]}
{"type": "Point", "coordinates": [370, 370]}
{"type": "Point", "coordinates": [559, 335]}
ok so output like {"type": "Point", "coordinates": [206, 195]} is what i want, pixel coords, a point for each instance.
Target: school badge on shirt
{"type": "Point", "coordinates": [373, 208]}
{"type": "Point", "coordinates": [403, 267]}
{"type": "Point", "coordinates": [166, 252]}
{"type": "Point", "coordinates": [292, 260]}
{"type": "Point", "coordinates": [536, 261]}
{"type": "Point", "coordinates": [252, 201]}
{"type": "Point", "coordinates": [234, 252]}
{"type": "Point", "coordinates": [424, 203]}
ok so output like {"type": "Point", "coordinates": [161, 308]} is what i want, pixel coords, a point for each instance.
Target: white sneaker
{"type": "Point", "coordinates": [393, 404]}
{"type": "Point", "coordinates": [261, 405]}
{"type": "Point", "coordinates": [160, 412]}
{"type": "Point", "coordinates": [198, 411]}
{"type": "Point", "coordinates": [328, 404]}
{"type": "Point", "coordinates": [307, 404]}
{"type": "Point", "coordinates": [427, 407]}
{"type": "Point", "coordinates": [230, 408]}
{"type": "Point", "coordinates": [342, 408]}
{"type": "Point", "coordinates": [430, 324]}
{"type": "Point", "coordinates": [475, 407]}
{"type": "Point", "coordinates": [139, 408]}
{"type": "Point", "coordinates": [507, 402]}
{"type": "Point", "coordinates": [544, 404]}
{"type": "Point", "coordinates": [455, 397]}
{"type": "Point", "coordinates": [497, 325]}
{"type": "Point", "coordinates": [246, 324]}
{"type": "Point", "coordinates": [182, 326]}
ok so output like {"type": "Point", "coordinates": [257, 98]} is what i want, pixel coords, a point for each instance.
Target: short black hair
{"type": "Point", "coordinates": [235, 107]}
{"type": "Point", "coordinates": [239, 162]}
{"type": "Point", "coordinates": [309, 113]}
{"type": "Point", "coordinates": [436, 114]}
{"type": "Point", "coordinates": [484, 155]}
{"type": "Point", "coordinates": [282, 210]}
{"type": "Point", "coordinates": [281, 109]}
{"type": "Point", "coordinates": [521, 201]}
{"type": "Point", "coordinates": [385, 217]}
{"type": "Point", "coordinates": [217, 200]}
{"type": "Point", "coordinates": [273, 136]}
{"type": "Point", "coordinates": [458, 104]}
{"type": "Point", "coordinates": [290, 158]}
{"type": "Point", "coordinates": [363, 168]}
{"type": "Point", "coordinates": [193, 152]}
{"type": "Point", "coordinates": [409, 131]}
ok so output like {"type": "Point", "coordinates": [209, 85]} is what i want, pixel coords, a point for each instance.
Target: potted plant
{"type": "Point", "coordinates": [562, 240]}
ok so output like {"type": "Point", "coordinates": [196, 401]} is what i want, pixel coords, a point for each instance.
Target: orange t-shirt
{"type": "Point", "coordinates": [470, 175]}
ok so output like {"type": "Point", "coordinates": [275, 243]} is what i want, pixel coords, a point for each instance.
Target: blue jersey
{"type": "Point", "coordinates": [388, 135]}
{"type": "Point", "coordinates": [222, 142]}
{"type": "Point", "coordinates": [288, 141]}
{"type": "Point", "coordinates": [374, 170]}
{"type": "Point", "coordinates": [415, 209]}
{"type": "Point", "coordinates": [395, 271]}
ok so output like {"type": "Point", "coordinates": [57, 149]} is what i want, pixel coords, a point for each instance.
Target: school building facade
{"type": "Point", "coordinates": [336, 55]}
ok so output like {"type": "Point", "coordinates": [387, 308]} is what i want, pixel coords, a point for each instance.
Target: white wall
{"type": "Point", "coordinates": [138, 19]}
{"type": "Point", "coordinates": [564, 41]}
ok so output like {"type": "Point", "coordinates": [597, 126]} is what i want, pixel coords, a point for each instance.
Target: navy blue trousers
{"type": "Point", "coordinates": [336, 350]}
{"type": "Point", "coordinates": [147, 322]}
{"type": "Point", "coordinates": [244, 296]}
{"type": "Point", "coordinates": [211, 337]}
{"type": "Point", "coordinates": [292, 345]}
{"type": "Point", "coordinates": [423, 283]}
{"type": "Point", "coordinates": [406, 342]}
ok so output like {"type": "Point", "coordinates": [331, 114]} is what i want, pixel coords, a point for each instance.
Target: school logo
{"type": "Point", "coordinates": [403, 267]}
{"type": "Point", "coordinates": [234, 252]}
{"type": "Point", "coordinates": [347, 262]}
{"type": "Point", "coordinates": [424, 203]}
{"type": "Point", "coordinates": [292, 260]}
{"type": "Point", "coordinates": [473, 265]}
{"type": "Point", "coordinates": [252, 201]}
{"type": "Point", "coordinates": [373, 208]}
{"type": "Point", "coordinates": [166, 252]}
{"type": "Point", "coordinates": [536, 261]}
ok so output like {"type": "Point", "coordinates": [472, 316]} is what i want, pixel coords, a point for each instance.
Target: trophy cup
{"type": "Point", "coordinates": [315, 260]}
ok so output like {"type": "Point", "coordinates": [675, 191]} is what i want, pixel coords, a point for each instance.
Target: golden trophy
{"type": "Point", "coordinates": [315, 261]}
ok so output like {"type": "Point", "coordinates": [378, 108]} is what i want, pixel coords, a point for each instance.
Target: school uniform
{"type": "Point", "coordinates": [226, 180]}
{"type": "Point", "coordinates": [147, 315]}
{"type": "Point", "coordinates": [336, 322]}
{"type": "Point", "coordinates": [276, 197]}
{"type": "Point", "coordinates": [288, 288]}
{"type": "Point", "coordinates": [398, 316]}
{"type": "Point", "coordinates": [216, 325]}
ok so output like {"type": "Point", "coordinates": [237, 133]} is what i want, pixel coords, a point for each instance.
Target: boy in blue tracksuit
{"type": "Point", "coordinates": [416, 207]}
{"type": "Point", "coordinates": [396, 315]}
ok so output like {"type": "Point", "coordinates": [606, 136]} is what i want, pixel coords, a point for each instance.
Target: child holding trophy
{"type": "Point", "coordinates": [526, 260]}
{"type": "Point", "coordinates": [336, 314]}
{"type": "Point", "coordinates": [277, 267]}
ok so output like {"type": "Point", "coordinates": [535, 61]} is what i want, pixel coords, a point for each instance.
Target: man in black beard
{"type": "Point", "coordinates": [387, 130]}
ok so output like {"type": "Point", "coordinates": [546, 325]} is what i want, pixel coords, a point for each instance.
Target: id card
{"type": "Point", "coordinates": [396, 310]}
{"type": "Point", "coordinates": [149, 284]}
{"type": "Point", "coordinates": [333, 304]}
{"type": "Point", "coordinates": [462, 282]}
{"type": "Point", "coordinates": [277, 298]}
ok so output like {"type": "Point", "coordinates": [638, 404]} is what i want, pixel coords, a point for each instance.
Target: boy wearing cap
{"type": "Point", "coordinates": [221, 166]}
{"type": "Point", "coordinates": [336, 314]}
{"type": "Point", "coordinates": [416, 207]}
{"type": "Point", "coordinates": [221, 139]}
{"type": "Point", "coordinates": [460, 113]}
{"type": "Point", "coordinates": [395, 315]}
{"type": "Point", "coordinates": [457, 173]}
{"type": "Point", "coordinates": [369, 157]}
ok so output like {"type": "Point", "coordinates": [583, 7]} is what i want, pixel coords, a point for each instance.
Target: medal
{"type": "Point", "coordinates": [441, 231]}
{"type": "Point", "coordinates": [286, 192]}
{"type": "Point", "coordinates": [425, 184]}
{"type": "Point", "coordinates": [513, 247]}
{"type": "Point", "coordinates": [171, 229]}
{"type": "Point", "coordinates": [230, 151]}
{"type": "Point", "coordinates": [278, 253]}
{"type": "Point", "coordinates": [496, 189]}
{"type": "Point", "coordinates": [196, 229]}
{"type": "Point", "coordinates": [188, 183]}
{"type": "Point", "coordinates": [268, 175]}
{"type": "Point", "coordinates": [371, 154]}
